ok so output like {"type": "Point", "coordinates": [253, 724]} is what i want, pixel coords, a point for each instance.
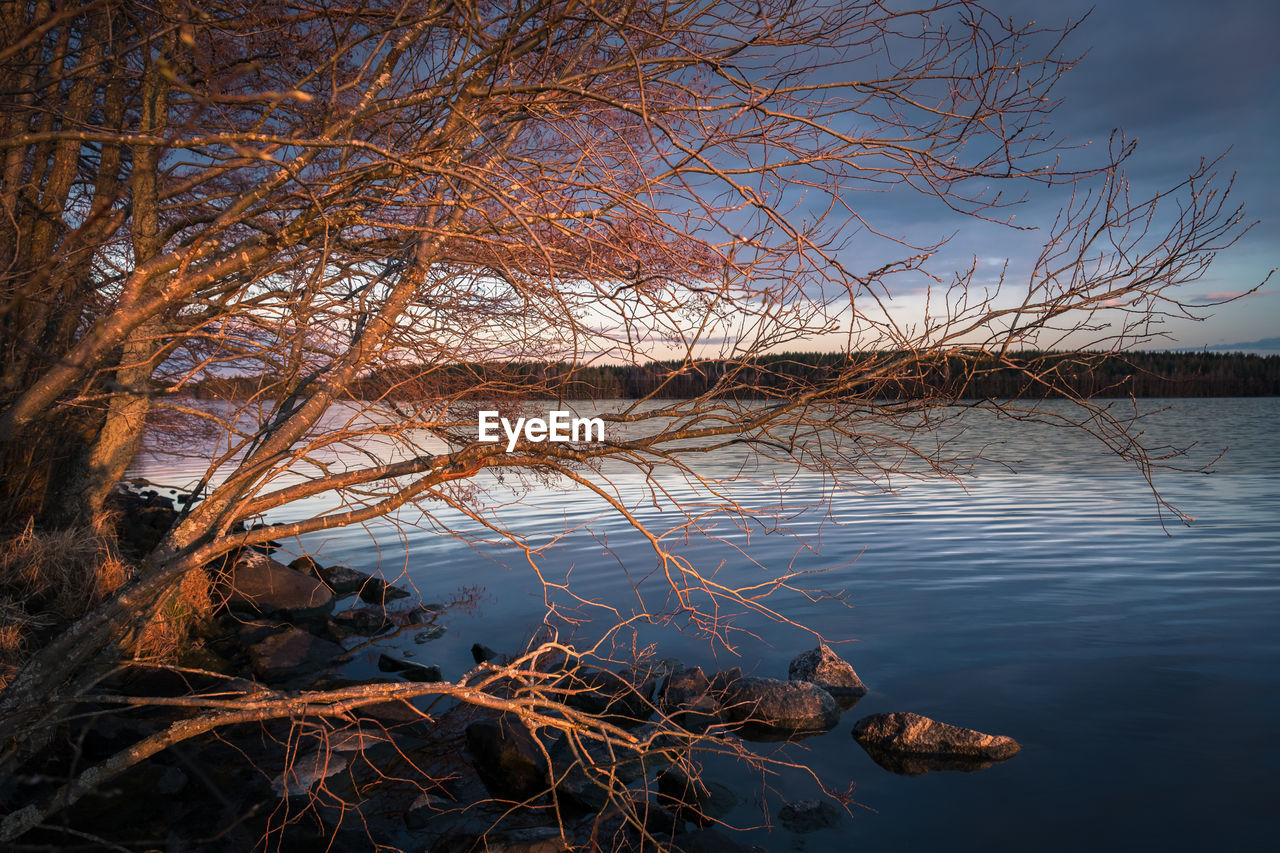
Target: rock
{"type": "Point", "coordinates": [344, 581]}
{"type": "Point", "coordinates": [305, 771]}
{"type": "Point", "coordinates": [409, 671]}
{"type": "Point", "coordinates": [722, 679]}
{"type": "Point", "coordinates": [808, 815]}
{"type": "Point", "coordinates": [306, 565]}
{"type": "Point", "coordinates": [434, 632]}
{"type": "Point", "coordinates": [356, 740]}
{"type": "Point", "coordinates": [823, 667]}
{"type": "Point", "coordinates": [616, 826]}
{"type": "Point", "coordinates": [601, 692]}
{"type": "Point", "coordinates": [768, 706]}
{"type": "Point", "coordinates": [261, 585]}
{"type": "Point", "coordinates": [377, 591]}
{"type": "Point", "coordinates": [361, 621]}
{"type": "Point", "coordinates": [584, 776]}
{"type": "Point", "coordinates": [290, 654]}
{"type": "Point", "coordinates": [657, 820]}
{"type": "Point", "coordinates": [421, 811]}
{"type": "Point", "coordinates": [677, 785]}
{"type": "Point", "coordinates": [912, 734]}
{"type": "Point", "coordinates": [508, 758]}
{"type": "Point", "coordinates": [686, 698]}
{"type": "Point", "coordinates": [696, 799]}
{"type": "Point", "coordinates": [482, 653]}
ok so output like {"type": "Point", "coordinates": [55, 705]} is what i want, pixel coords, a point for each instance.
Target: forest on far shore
{"type": "Point", "coordinates": [967, 376]}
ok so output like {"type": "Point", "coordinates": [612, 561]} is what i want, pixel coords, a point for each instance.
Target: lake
{"type": "Point", "coordinates": [1136, 659]}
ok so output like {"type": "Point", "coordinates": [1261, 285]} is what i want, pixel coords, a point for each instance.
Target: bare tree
{"type": "Point", "coordinates": [321, 194]}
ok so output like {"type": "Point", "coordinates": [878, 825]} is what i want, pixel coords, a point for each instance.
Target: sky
{"type": "Point", "coordinates": [1188, 79]}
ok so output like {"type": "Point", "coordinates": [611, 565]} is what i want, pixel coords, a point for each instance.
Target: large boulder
{"type": "Point", "coordinates": [768, 706]}
{"type": "Point", "coordinates": [290, 655]}
{"type": "Point", "coordinates": [912, 734]}
{"type": "Point", "coordinates": [261, 585]}
{"type": "Point", "coordinates": [823, 667]}
{"type": "Point", "coordinates": [508, 757]}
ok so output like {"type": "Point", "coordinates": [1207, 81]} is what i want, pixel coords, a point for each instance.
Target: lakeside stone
{"type": "Point", "coordinates": [603, 693]}
{"type": "Point", "coordinates": [696, 799]}
{"type": "Point", "coordinates": [913, 734]}
{"type": "Point", "coordinates": [823, 667]}
{"type": "Point", "coordinates": [377, 591]}
{"type": "Point", "coordinates": [508, 758]}
{"type": "Point", "coordinates": [290, 654]}
{"type": "Point", "coordinates": [305, 771]}
{"type": "Point", "coordinates": [307, 565]}
{"type": "Point", "coordinates": [771, 706]}
{"type": "Point", "coordinates": [264, 586]}
{"type": "Point", "coordinates": [342, 580]}
{"type": "Point", "coordinates": [360, 621]}
{"type": "Point", "coordinates": [687, 699]}
{"type": "Point", "coordinates": [481, 653]}
{"type": "Point", "coordinates": [409, 671]}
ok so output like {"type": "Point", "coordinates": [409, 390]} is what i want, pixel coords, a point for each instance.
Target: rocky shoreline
{"type": "Point", "coordinates": [451, 776]}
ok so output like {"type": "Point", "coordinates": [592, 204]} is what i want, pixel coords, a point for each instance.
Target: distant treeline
{"type": "Point", "coordinates": [887, 375]}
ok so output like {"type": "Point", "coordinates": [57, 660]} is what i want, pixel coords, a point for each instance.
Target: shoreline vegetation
{"type": "Point", "coordinates": [963, 376]}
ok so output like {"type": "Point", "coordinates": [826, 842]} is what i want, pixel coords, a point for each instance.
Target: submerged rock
{"type": "Point", "coordinates": [808, 815]}
{"type": "Point", "coordinates": [912, 734]}
{"type": "Point", "coordinates": [767, 705]}
{"type": "Point", "coordinates": [823, 667]}
{"type": "Point", "coordinates": [409, 671]}
{"type": "Point", "coordinates": [434, 632]}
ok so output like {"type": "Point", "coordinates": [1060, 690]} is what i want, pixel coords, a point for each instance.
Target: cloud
{"type": "Point", "coordinates": [1222, 296]}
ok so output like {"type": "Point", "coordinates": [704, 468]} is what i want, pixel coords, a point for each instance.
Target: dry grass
{"type": "Point", "coordinates": [171, 621]}
{"type": "Point", "coordinates": [49, 579]}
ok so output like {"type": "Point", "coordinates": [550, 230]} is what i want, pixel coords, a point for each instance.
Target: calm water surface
{"type": "Point", "coordinates": [1138, 662]}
